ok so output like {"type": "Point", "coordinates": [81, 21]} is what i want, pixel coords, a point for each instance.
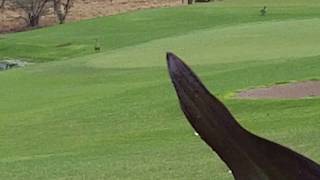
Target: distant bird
{"type": "Point", "coordinates": [263, 11]}
{"type": "Point", "coordinates": [248, 156]}
{"type": "Point", "coordinates": [97, 46]}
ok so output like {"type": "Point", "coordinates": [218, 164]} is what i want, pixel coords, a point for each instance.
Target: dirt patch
{"type": "Point", "coordinates": [82, 9]}
{"type": "Point", "coordinates": [283, 91]}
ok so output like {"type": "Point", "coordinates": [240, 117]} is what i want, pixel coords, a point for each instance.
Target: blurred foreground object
{"type": "Point", "coordinates": [248, 156]}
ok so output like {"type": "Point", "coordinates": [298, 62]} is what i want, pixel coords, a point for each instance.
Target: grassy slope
{"type": "Point", "coordinates": [77, 39]}
{"type": "Point", "coordinates": [102, 116]}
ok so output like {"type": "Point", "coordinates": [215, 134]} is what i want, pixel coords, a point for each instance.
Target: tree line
{"type": "Point", "coordinates": [33, 10]}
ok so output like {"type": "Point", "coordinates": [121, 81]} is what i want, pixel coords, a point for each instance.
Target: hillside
{"type": "Point", "coordinates": [83, 9]}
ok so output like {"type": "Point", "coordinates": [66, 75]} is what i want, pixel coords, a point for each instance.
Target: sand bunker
{"type": "Point", "coordinates": [283, 91]}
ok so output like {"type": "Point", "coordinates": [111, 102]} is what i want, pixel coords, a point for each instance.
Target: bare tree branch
{"type": "Point", "coordinates": [33, 9]}
{"type": "Point", "coordinates": [61, 9]}
{"type": "Point", "coordinates": [2, 4]}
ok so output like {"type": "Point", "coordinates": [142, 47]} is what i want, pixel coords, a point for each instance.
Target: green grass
{"type": "Point", "coordinates": [130, 29]}
{"type": "Point", "coordinates": [115, 115]}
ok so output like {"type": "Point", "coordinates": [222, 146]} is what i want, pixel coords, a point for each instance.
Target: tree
{"type": "Point", "coordinates": [61, 9]}
{"type": "Point", "coordinates": [2, 4]}
{"type": "Point", "coordinates": [33, 9]}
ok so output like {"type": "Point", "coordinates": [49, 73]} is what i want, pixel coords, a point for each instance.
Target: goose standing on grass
{"type": "Point", "coordinates": [97, 46]}
{"type": "Point", "coordinates": [263, 11]}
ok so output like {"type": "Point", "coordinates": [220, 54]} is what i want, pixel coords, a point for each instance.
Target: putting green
{"type": "Point", "coordinates": [262, 41]}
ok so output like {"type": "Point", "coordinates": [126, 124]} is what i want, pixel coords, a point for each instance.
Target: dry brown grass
{"type": "Point", "coordinates": [83, 9]}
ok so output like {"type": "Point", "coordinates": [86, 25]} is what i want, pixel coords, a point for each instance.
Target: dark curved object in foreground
{"type": "Point", "coordinates": [248, 156]}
